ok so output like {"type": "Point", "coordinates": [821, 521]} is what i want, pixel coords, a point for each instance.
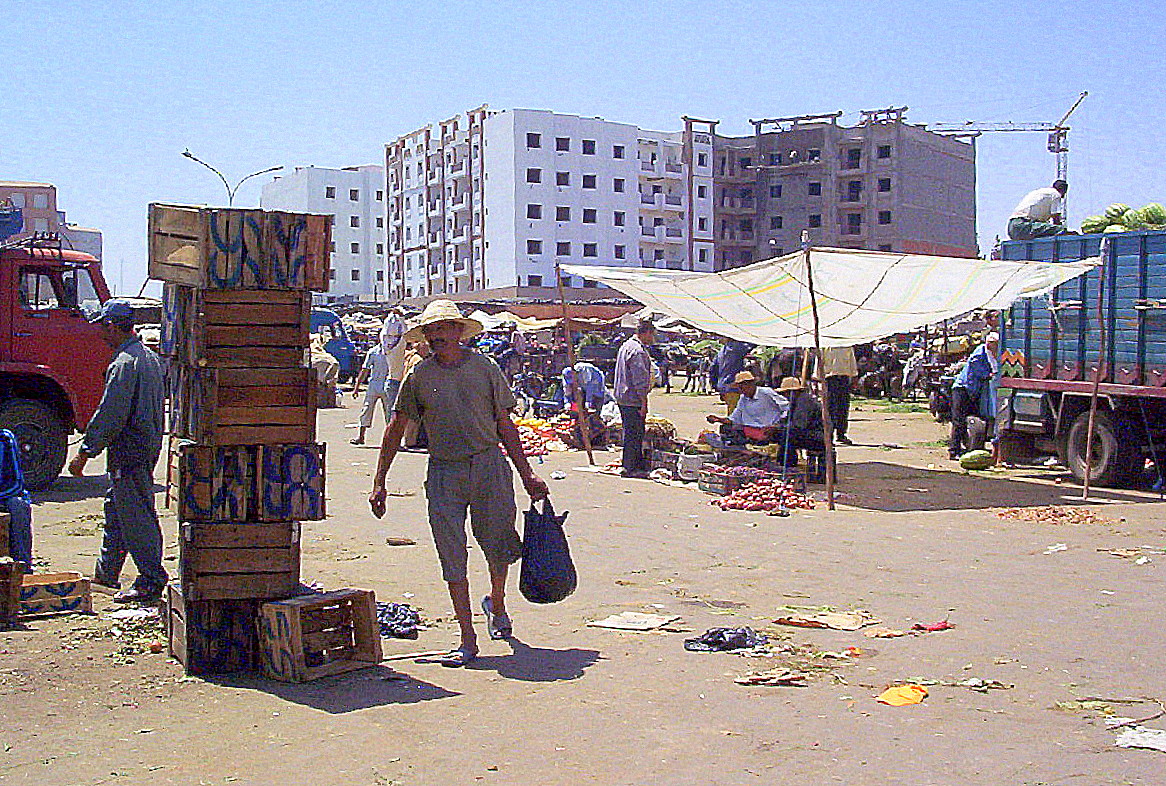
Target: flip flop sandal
{"type": "Point", "coordinates": [498, 625]}
{"type": "Point", "coordinates": [455, 659]}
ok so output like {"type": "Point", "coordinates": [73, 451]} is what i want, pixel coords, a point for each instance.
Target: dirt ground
{"type": "Point", "coordinates": [912, 541]}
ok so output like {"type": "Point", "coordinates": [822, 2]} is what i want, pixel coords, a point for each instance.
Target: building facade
{"type": "Point", "coordinates": [489, 203]}
{"type": "Point", "coordinates": [355, 197]}
{"type": "Point", "coordinates": [37, 202]}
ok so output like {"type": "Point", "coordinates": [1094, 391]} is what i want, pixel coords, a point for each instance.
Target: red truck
{"type": "Point", "coordinates": [52, 361]}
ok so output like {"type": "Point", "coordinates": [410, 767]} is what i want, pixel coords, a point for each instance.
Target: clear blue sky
{"type": "Point", "coordinates": [100, 98]}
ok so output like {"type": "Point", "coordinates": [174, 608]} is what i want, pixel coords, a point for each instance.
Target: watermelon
{"type": "Point", "coordinates": [1115, 211]}
{"type": "Point", "coordinates": [1094, 224]}
{"type": "Point", "coordinates": [1115, 228]}
{"type": "Point", "coordinates": [976, 459]}
{"type": "Point", "coordinates": [1132, 219]}
{"type": "Point", "coordinates": [1153, 213]}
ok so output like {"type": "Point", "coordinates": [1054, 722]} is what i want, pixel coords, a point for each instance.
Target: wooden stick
{"type": "Point", "coordinates": [827, 427]}
{"type": "Point", "coordinates": [1100, 365]}
{"type": "Point", "coordinates": [581, 419]}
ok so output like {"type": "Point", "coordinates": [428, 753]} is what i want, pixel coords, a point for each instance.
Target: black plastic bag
{"type": "Point", "coordinates": [547, 575]}
{"type": "Point", "coordinates": [724, 639]}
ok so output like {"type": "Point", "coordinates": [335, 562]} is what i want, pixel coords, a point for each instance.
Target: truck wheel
{"type": "Point", "coordinates": [41, 437]}
{"type": "Point", "coordinates": [1115, 454]}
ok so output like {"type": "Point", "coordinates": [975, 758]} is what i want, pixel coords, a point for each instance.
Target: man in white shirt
{"type": "Point", "coordinates": [383, 368]}
{"type": "Point", "coordinates": [759, 411]}
{"type": "Point", "coordinates": [1040, 213]}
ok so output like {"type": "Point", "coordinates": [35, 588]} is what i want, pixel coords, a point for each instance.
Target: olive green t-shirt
{"type": "Point", "coordinates": [459, 404]}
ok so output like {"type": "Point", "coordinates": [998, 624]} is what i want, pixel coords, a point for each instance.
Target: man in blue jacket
{"type": "Point", "coordinates": [971, 391]}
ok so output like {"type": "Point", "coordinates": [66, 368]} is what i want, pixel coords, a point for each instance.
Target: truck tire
{"type": "Point", "coordinates": [41, 436]}
{"type": "Point", "coordinates": [1116, 454]}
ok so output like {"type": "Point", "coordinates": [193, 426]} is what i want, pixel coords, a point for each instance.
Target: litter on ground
{"type": "Point", "coordinates": [634, 620]}
{"type": "Point", "coordinates": [836, 620]}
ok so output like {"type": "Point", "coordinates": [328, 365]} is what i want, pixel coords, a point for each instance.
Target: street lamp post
{"type": "Point", "coordinates": [230, 191]}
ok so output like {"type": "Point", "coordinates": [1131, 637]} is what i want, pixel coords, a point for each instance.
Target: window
{"type": "Point", "coordinates": [354, 248]}
{"type": "Point", "coordinates": [332, 245]}
{"type": "Point", "coordinates": [534, 140]}
{"type": "Point", "coordinates": [853, 158]}
{"type": "Point", "coordinates": [702, 224]}
{"type": "Point", "coordinates": [332, 274]}
{"type": "Point", "coordinates": [534, 211]}
{"type": "Point", "coordinates": [774, 159]}
{"type": "Point", "coordinates": [813, 154]}
{"type": "Point", "coordinates": [380, 275]}
{"type": "Point", "coordinates": [617, 151]}
{"type": "Point", "coordinates": [590, 284]}
{"type": "Point", "coordinates": [534, 246]}
{"type": "Point", "coordinates": [562, 213]}
{"type": "Point", "coordinates": [658, 254]}
{"type": "Point", "coordinates": [356, 275]}
{"type": "Point", "coordinates": [884, 184]}
{"type": "Point", "coordinates": [380, 222]}
{"type": "Point", "coordinates": [36, 291]}
{"type": "Point", "coordinates": [562, 143]}
{"type": "Point", "coordinates": [380, 196]}
{"type": "Point", "coordinates": [17, 199]}
{"type": "Point", "coordinates": [588, 147]}
{"type": "Point", "coordinates": [746, 162]}
{"type": "Point", "coordinates": [380, 248]}
{"type": "Point", "coordinates": [534, 281]}
{"type": "Point", "coordinates": [775, 222]}
{"type": "Point", "coordinates": [562, 249]}
{"type": "Point", "coordinates": [621, 252]}
{"type": "Point", "coordinates": [746, 225]}
{"type": "Point", "coordinates": [814, 189]}
{"type": "Point", "coordinates": [353, 195]}
{"type": "Point", "coordinates": [853, 223]}
{"type": "Point", "coordinates": [590, 249]}
{"type": "Point", "coordinates": [562, 178]}
{"type": "Point", "coordinates": [702, 159]}
{"type": "Point", "coordinates": [354, 221]}
{"type": "Point", "coordinates": [619, 218]}
{"type": "Point", "coordinates": [589, 215]}
{"type": "Point", "coordinates": [617, 185]}
{"type": "Point", "coordinates": [775, 191]}
{"type": "Point", "coordinates": [589, 181]}
{"type": "Point", "coordinates": [703, 255]}
{"type": "Point", "coordinates": [330, 192]}
{"type": "Point", "coordinates": [853, 190]}
{"type": "Point", "coordinates": [884, 216]}
{"type": "Point", "coordinates": [815, 220]}
{"type": "Point", "coordinates": [534, 175]}
{"type": "Point", "coordinates": [883, 151]}
{"type": "Point", "coordinates": [702, 192]}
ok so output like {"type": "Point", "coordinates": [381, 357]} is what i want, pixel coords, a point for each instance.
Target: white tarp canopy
{"type": "Point", "coordinates": [862, 295]}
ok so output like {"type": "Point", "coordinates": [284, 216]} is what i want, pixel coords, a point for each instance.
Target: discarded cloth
{"type": "Point", "coordinates": [723, 639]}
{"type": "Point", "coordinates": [398, 620]}
{"type": "Point", "coordinates": [932, 628]}
{"type": "Point", "coordinates": [902, 695]}
{"type": "Point", "coordinates": [838, 620]}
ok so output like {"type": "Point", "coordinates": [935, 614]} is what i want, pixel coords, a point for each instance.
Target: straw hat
{"type": "Point", "coordinates": [442, 311]}
{"type": "Point", "coordinates": [744, 376]}
{"type": "Point", "coordinates": [791, 383]}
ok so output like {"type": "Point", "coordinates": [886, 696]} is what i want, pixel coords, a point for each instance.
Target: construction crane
{"type": "Point", "coordinates": [1058, 132]}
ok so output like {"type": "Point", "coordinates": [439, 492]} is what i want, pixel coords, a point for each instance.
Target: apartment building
{"type": "Point", "coordinates": [355, 197]}
{"type": "Point", "coordinates": [37, 202]}
{"type": "Point", "coordinates": [882, 185]}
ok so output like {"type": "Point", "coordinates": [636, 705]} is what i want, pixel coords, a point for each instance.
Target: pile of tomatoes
{"type": "Point", "coordinates": [767, 494]}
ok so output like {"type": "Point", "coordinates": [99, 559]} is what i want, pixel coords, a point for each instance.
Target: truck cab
{"type": "Point", "coordinates": [52, 360]}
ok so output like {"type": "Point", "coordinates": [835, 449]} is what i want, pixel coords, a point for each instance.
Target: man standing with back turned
{"type": "Point", "coordinates": [464, 402]}
{"type": "Point", "coordinates": [128, 422]}
{"type": "Point", "coordinates": [633, 383]}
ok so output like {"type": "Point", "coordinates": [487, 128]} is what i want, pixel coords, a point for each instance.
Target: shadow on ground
{"type": "Point", "coordinates": [375, 686]}
{"type": "Point", "coordinates": [878, 485]}
{"type": "Point", "coordinates": [70, 489]}
{"type": "Point", "coordinates": [538, 664]}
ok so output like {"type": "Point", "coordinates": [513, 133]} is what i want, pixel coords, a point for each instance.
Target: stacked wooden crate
{"type": "Point", "coordinates": [246, 467]}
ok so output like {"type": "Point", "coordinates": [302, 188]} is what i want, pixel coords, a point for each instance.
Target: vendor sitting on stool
{"type": "Point", "coordinates": [758, 414]}
{"type": "Point", "coordinates": [803, 427]}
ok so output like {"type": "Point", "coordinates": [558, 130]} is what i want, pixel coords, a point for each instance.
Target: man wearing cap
{"type": "Point", "coordinates": [128, 424]}
{"type": "Point", "coordinates": [1040, 213]}
{"type": "Point", "coordinates": [384, 368]}
{"type": "Point", "coordinates": [464, 402]}
{"type": "Point", "coordinates": [803, 425]}
{"type": "Point", "coordinates": [972, 393]}
{"type": "Point", "coordinates": [759, 410]}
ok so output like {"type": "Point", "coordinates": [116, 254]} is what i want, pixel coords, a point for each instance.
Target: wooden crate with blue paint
{"type": "Point", "coordinates": [319, 635]}
{"type": "Point", "coordinates": [215, 483]}
{"type": "Point", "coordinates": [11, 575]}
{"type": "Point", "coordinates": [290, 482]}
{"type": "Point", "coordinates": [238, 560]}
{"type": "Point", "coordinates": [55, 593]}
{"type": "Point", "coordinates": [243, 406]}
{"type": "Point", "coordinates": [211, 636]}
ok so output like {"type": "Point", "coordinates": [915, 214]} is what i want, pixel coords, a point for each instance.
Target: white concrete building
{"type": "Point", "coordinates": [355, 196]}
{"type": "Point", "coordinates": [87, 240]}
{"type": "Point", "coordinates": [489, 202]}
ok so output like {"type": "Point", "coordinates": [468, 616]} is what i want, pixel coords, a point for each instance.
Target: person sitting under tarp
{"type": "Point", "coordinates": [757, 416]}
{"type": "Point", "coordinates": [802, 428]}
{"type": "Point", "coordinates": [15, 500]}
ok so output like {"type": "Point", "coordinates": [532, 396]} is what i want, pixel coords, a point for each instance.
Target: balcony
{"type": "Point", "coordinates": [648, 166]}
{"type": "Point", "coordinates": [648, 199]}
{"type": "Point", "coordinates": [649, 232]}
{"type": "Point", "coordinates": [434, 176]}
{"type": "Point", "coordinates": [434, 208]}
{"type": "Point", "coordinates": [457, 170]}
{"type": "Point", "coordinates": [461, 202]}
{"type": "Point", "coordinates": [435, 240]}
{"type": "Point", "coordinates": [673, 170]}
{"type": "Point", "coordinates": [462, 236]}
{"type": "Point", "coordinates": [673, 200]}
{"type": "Point", "coordinates": [673, 232]}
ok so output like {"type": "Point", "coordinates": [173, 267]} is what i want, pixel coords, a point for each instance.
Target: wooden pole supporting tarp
{"type": "Point", "coordinates": [581, 418]}
{"type": "Point", "coordinates": [827, 428]}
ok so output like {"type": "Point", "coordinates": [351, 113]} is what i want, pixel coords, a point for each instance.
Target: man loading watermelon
{"type": "Point", "coordinates": [1040, 213]}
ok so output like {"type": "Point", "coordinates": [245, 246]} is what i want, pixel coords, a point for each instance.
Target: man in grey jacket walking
{"type": "Point", "coordinates": [128, 424]}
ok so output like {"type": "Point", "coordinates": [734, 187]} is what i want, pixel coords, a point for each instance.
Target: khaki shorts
{"type": "Point", "coordinates": [485, 485]}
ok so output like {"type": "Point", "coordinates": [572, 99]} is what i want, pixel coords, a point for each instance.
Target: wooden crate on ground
{"type": "Point", "coordinates": [11, 574]}
{"type": "Point", "coordinates": [238, 561]}
{"type": "Point", "coordinates": [319, 635]}
{"type": "Point", "coordinates": [243, 406]}
{"type": "Point", "coordinates": [230, 248]}
{"type": "Point", "coordinates": [211, 636]}
{"type": "Point", "coordinates": [54, 593]}
{"type": "Point", "coordinates": [290, 482]}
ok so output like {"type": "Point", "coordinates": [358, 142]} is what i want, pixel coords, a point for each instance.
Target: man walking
{"type": "Point", "coordinates": [838, 367]}
{"type": "Point", "coordinates": [1040, 213]}
{"type": "Point", "coordinates": [128, 422]}
{"type": "Point", "coordinates": [384, 368]}
{"type": "Point", "coordinates": [464, 402]}
{"type": "Point", "coordinates": [633, 383]}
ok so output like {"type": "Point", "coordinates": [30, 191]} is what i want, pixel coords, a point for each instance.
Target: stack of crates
{"type": "Point", "coordinates": [245, 467]}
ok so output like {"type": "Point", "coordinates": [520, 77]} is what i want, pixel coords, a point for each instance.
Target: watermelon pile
{"type": "Point", "coordinates": [1120, 217]}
